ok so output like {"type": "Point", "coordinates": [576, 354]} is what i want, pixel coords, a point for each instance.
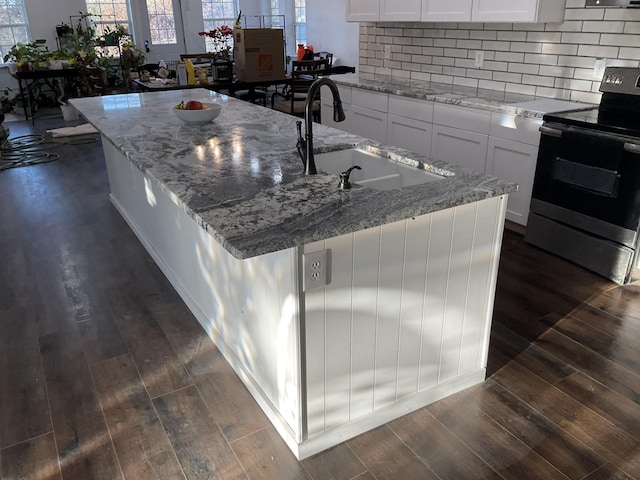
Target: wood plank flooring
{"type": "Point", "coordinates": [104, 373]}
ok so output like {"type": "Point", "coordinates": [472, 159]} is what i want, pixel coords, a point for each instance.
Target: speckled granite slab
{"type": "Point", "coordinates": [490, 100]}
{"type": "Point", "coordinates": [241, 179]}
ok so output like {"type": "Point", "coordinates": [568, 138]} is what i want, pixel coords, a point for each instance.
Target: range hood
{"type": "Point", "coordinates": [614, 3]}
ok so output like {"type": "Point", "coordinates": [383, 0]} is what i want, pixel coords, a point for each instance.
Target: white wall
{"type": "Point", "coordinates": [328, 30]}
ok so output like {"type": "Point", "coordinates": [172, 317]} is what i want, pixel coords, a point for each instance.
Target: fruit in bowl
{"type": "Point", "coordinates": [194, 111]}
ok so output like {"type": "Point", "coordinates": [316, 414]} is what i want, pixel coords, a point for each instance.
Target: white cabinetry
{"type": "Point", "coordinates": [512, 155]}
{"type": "Point", "coordinates": [409, 124]}
{"type": "Point", "coordinates": [498, 144]}
{"type": "Point", "coordinates": [384, 10]}
{"type": "Point", "coordinates": [493, 10]}
{"type": "Point", "coordinates": [446, 10]}
{"type": "Point", "coordinates": [369, 114]}
{"type": "Point", "coordinates": [518, 11]}
{"type": "Point", "coordinates": [363, 10]}
{"type": "Point", "coordinates": [400, 10]}
{"type": "Point", "coordinates": [460, 136]}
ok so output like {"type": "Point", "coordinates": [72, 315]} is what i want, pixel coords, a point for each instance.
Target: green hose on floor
{"type": "Point", "coordinates": [28, 150]}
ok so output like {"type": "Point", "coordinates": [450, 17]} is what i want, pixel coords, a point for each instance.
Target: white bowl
{"type": "Point", "coordinates": [206, 115]}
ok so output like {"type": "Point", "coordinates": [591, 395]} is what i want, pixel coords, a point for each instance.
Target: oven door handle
{"type": "Point", "coordinates": [552, 132]}
{"type": "Point", "coordinates": [632, 147]}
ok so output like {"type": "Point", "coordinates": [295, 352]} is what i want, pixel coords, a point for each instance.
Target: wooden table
{"type": "Point", "coordinates": [228, 87]}
{"type": "Point", "coordinates": [31, 82]}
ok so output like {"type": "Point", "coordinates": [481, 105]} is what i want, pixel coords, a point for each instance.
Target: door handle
{"type": "Point", "coordinates": [632, 147]}
{"type": "Point", "coordinates": [552, 132]}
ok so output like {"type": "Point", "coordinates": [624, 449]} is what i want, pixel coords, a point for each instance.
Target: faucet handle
{"type": "Point", "coordinates": [344, 183]}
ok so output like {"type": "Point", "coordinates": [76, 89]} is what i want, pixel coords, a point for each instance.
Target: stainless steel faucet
{"type": "Point", "coordinates": [305, 146]}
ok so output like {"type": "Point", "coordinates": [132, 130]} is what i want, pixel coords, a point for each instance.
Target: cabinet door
{"type": "Point", "coordinates": [446, 10]}
{"type": "Point", "coordinates": [400, 10]}
{"type": "Point", "coordinates": [515, 162]}
{"type": "Point", "coordinates": [410, 134]}
{"type": "Point", "coordinates": [363, 10]}
{"type": "Point", "coordinates": [368, 123]}
{"type": "Point", "coordinates": [461, 147]}
{"type": "Point", "coordinates": [501, 11]}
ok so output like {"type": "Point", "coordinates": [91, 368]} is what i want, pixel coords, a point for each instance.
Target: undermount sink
{"type": "Point", "coordinates": [376, 172]}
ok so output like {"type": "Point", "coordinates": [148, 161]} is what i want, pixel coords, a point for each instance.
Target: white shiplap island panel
{"type": "Point", "coordinates": [227, 215]}
{"type": "Point", "coordinates": [406, 318]}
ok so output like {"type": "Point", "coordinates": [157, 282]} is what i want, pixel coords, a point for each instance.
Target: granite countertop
{"type": "Point", "coordinates": [527, 106]}
{"type": "Point", "coordinates": [241, 179]}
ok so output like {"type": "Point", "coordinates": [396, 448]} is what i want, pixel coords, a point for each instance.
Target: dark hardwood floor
{"type": "Point", "coordinates": [104, 373]}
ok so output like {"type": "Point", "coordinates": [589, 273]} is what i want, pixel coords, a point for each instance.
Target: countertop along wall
{"type": "Point", "coordinates": [547, 60]}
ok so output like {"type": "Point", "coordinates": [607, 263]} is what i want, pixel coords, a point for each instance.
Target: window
{"type": "Point", "coordinates": [14, 26]}
{"type": "Point", "coordinates": [216, 13]}
{"type": "Point", "coordinates": [161, 22]}
{"type": "Point", "coordinates": [300, 23]}
{"type": "Point", "coordinates": [109, 13]}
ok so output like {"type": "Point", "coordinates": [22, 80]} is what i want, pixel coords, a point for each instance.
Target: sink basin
{"type": "Point", "coordinates": [377, 171]}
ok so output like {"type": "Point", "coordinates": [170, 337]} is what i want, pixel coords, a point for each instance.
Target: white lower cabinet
{"type": "Point", "coordinates": [410, 134]}
{"type": "Point", "coordinates": [369, 123]}
{"type": "Point", "coordinates": [497, 144]}
{"type": "Point", "coordinates": [462, 147]}
{"type": "Point", "coordinates": [515, 162]}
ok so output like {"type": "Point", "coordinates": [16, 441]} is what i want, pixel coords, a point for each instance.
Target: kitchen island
{"type": "Point", "coordinates": [403, 313]}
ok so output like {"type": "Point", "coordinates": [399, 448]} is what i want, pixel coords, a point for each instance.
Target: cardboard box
{"type": "Point", "coordinates": [258, 54]}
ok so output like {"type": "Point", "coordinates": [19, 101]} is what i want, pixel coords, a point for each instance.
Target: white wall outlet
{"type": "Point", "coordinates": [315, 269]}
{"type": "Point", "coordinates": [387, 52]}
{"type": "Point", "coordinates": [479, 60]}
{"type": "Point", "coordinates": [598, 68]}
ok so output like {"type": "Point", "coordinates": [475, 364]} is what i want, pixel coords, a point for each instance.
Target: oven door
{"type": "Point", "coordinates": [589, 180]}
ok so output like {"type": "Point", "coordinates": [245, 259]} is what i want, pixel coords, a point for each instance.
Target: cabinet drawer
{"type": "Point", "coordinates": [462, 147]}
{"type": "Point", "coordinates": [410, 134]}
{"type": "Point", "coordinates": [463, 118]}
{"type": "Point", "coordinates": [518, 129]}
{"type": "Point", "coordinates": [368, 123]}
{"type": "Point", "coordinates": [411, 108]}
{"type": "Point", "coordinates": [369, 99]}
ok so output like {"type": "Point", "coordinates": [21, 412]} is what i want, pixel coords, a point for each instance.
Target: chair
{"type": "Point", "coordinates": [303, 74]}
{"type": "Point", "coordinates": [321, 55]}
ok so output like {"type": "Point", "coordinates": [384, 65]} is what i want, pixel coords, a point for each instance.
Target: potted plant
{"type": "Point", "coordinates": [23, 54]}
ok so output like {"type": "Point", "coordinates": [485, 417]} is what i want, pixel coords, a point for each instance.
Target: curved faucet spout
{"type": "Point", "coordinates": [338, 116]}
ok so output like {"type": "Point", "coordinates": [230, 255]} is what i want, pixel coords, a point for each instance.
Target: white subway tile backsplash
{"type": "Point", "coordinates": [509, 57]}
{"type": "Point", "coordinates": [552, 59]}
{"type": "Point", "coordinates": [610, 26]}
{"type": "Point", "coordinates": [559, 49]}
{"type": "Point", "coordinates": [541, 59]}
{"type": "Point", "coordinates": [543, 37]}
{"type": "Point", "coordinates": [525, 47]}
{"type": "Point", "coordinates": [598, 51]}
{"type": "Point", "coordinates": [520, 88]}
{"type": "Point", "coordinates": [630, 53]}
{"type": "Point", "coordinates": [581, 38]}
{"type": "Point", "coordinates": [531, 69]}
{"type": "Point", "coordinates": [466, 82]}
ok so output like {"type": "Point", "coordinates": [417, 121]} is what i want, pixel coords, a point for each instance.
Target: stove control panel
{"type": "Point", "coordinates": [621, 80]}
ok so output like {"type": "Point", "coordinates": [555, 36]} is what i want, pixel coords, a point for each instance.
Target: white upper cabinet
{"type": "Point", "coordinates": [446, 10]}
{"type": "Point", "coordinates": [363, 10]}
{"type": "Point", "coordinates": [491, 11]}
{"type": "Point", "coordinates": [383, 10]}
{"type": "Point", "coordinates": [518, 10]}
{"type": "Point", "coordinates": [400, 10]}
